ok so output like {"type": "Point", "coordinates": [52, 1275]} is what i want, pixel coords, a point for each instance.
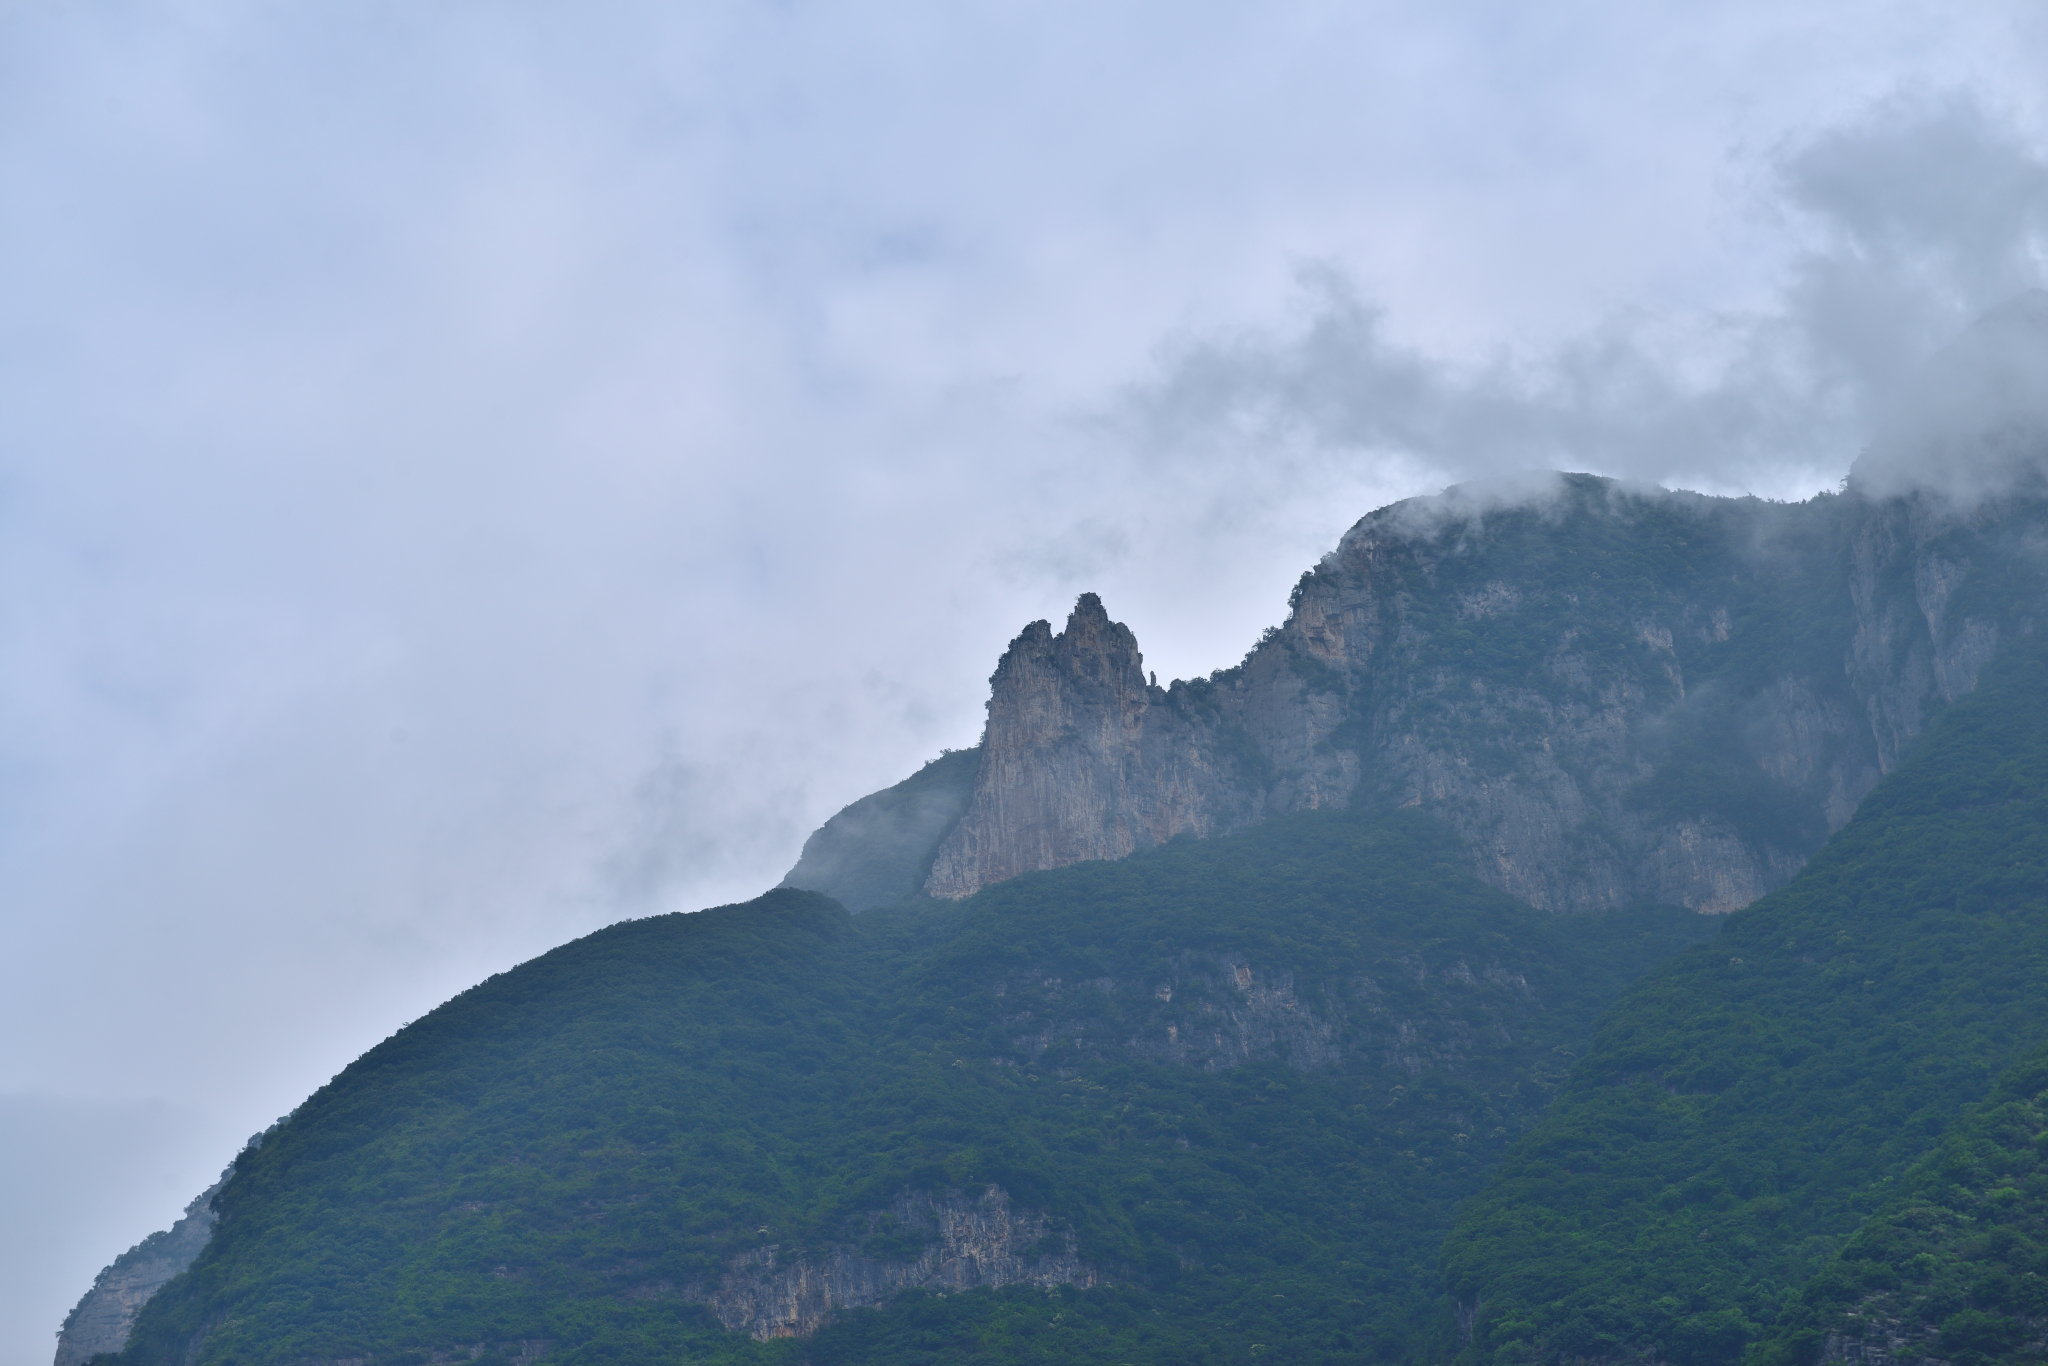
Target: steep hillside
{"type": "Point", "coordinates": [1748, 1103]}
{"type": "Point", "coordinates": [103, 1317]}
{"type": "Point", "coordinates": [1613, 694]}
{"type": "Point", "coordinates": [1955, 1267]}
{"type": "Point", "coordinates": [1177, 1021]}
{"type": "Point", "coordinates": [1221, 1096]}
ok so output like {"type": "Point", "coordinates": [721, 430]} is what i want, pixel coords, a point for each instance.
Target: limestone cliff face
{"type": "Point", "coordinates": [947, 1242]}
{"type": "Point", "coordinates": [1935, 592]}
{"type": "Point", "coordinates": [1613, 694]}
{"type": "Point", "coordinates": [1875, 1338]}
{"type": "Point", "coordinates": [1219, 1011]}
{"type": "Point", "coordinates": [102, 1319]}
{"type": "Point", "coordinates": [1081, 760]}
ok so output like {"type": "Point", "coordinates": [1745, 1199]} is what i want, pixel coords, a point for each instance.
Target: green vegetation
{"type": "Point", "coordinates": [1745, 1106]}
{"type": "Point", "coordinates": [1956, 1265]}
{"type": "Point", "coordinates": [1250, 1077]}
{"type": "Point", "coordinates": [1622, 560]}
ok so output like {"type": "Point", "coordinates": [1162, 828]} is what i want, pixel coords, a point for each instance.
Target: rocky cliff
{"type": "Point", "coordinates": [945, 1243]}
{"type": "Point", "coordinates": [101, 1320]}
{"type": "Point", "coordinates": [1874, 1338]}
{"type": "Point", "coordinates": [1614, 694]}
{"type": "Point", "coordinates": [1084, 759]}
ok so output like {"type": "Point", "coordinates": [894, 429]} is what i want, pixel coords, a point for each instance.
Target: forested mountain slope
{"type": "Point", "coordinates": [1748, 1103]}
{"type": "Point", "coordinates": [1221, 1096]}
{"type": "Point", "coordinates": [1955, 1266]}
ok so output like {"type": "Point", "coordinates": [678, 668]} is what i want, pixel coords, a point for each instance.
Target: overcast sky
{"type": "Point", "coordinates": [471, 472]}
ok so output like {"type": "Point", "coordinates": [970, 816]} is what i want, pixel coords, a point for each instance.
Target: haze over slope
{"type": "Point", "coordinates": [1747, 1105]}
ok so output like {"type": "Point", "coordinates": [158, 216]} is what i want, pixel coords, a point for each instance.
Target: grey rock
{"type": "Point", "coordinates": [1687, 730]}
{"type": "Point", "coordinates": [1217, 1011]}
{"type": "Point", "coordinates": [102, 1320]}
{"type": "Point", "coordinates": [967, 1242]}
{"type": "Point", "coordinates": [1083, 760]}
{"type": "Point", "coordinates": [1876, 1334]}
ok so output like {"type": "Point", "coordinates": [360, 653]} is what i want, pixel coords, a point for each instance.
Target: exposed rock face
{"type": "Point", "coordinates": [1874, 1338]}
{"type": "Point", "coordinates": [957, 1242]}
{"type": "Point", "coordinates": [1216, 1012]}
{"type": "Point", "coordinates": [1614, 695]}
{"type": "Point", "coordinates": [1082, 761]}
{"type": "Point", "coordinates": [100, 1322]}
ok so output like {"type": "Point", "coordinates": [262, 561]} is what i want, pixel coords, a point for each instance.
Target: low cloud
{"type": "Point", "coordinates": [1972, 423]}
{"type": "Point", "coordinates": [1917, 219]}
{"type": "Point", "coordinates": [683, 837]}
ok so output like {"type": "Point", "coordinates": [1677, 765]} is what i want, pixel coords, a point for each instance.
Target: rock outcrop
{"type": "Point", "coordinates": [100, 1322]}
{"type": "Point", "coordinates": [1614, 694]}
{"type": "Point", "coordinates": [1219, 1011]}
{"type": "Point", "coordinates": [1873, 1338]}
{"type": "Point", "coordinates": [1082, 760]}
{"type": "Point", "coordinates": [954, 1242]}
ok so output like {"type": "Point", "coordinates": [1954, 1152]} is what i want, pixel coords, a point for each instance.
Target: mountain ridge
{"type": "Point", "coordinates": [1615, 694]}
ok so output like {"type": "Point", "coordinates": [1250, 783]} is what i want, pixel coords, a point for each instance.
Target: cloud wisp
{"type": "Point", "coordinates": [1917, 219]}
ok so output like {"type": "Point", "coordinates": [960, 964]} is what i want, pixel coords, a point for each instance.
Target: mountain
{"type": "Point", "coordinates": [1749, 1103]}
{"type": "Point", "coordinates": [102, 1319]}
{"type": "Point", "coordinates": [1250, 1014]}
{"type": "Point", "coordinates": [1955, 1265]}
{"type": "Point", "coordinates": [1219, 1095]}
{"type": "Point", "coordinates": [879, 850]}
{"type": "Point", "coordinates": [1614, 695]}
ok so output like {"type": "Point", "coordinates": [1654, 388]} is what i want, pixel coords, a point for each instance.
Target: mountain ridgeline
{"type": "Point", "coordinates": [1613, 695]}
{"type": "Point", "coordinates": [1353, 1004]}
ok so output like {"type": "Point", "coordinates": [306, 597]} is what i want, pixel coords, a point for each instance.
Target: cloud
{"type": "Point", "coordinates": [1972, 423]}
{"type": "Point", "coordinates": [1925, 212]}
{"type": "Point", "coordinates": [1920, 216]}
{"type": "Point", "coordinates": [682, 834]}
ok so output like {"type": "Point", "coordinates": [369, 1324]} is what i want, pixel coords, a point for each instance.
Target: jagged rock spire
{"type": "Point", "coordinates": [1080, 759]}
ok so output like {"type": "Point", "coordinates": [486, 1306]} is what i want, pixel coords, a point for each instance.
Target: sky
{"type": "Point", "coordinates": [470, 473]}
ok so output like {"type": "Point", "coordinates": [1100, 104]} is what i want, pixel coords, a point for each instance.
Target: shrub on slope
{"type": "Point", "coordinates": [1955, 1266]}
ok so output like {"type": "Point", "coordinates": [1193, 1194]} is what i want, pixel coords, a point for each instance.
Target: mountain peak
{"type": "Point", "coordinates": [1071, 759]}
